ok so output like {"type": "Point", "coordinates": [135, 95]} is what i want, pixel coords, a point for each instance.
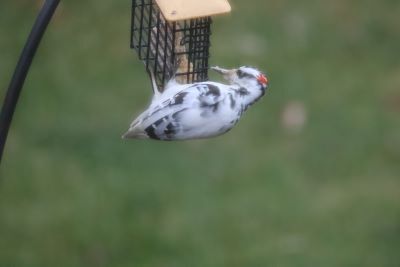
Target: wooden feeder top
{"type": "Point", "coordinates": [174, 10]}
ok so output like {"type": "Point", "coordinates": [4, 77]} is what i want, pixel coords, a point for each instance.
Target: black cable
{"type": "Point", "coordinates": [24, 63]}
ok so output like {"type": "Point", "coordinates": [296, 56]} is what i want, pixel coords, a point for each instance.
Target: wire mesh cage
{"type": "Point", "coordinates": [169, 49]}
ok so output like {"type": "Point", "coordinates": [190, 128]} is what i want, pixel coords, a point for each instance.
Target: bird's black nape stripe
{"type": "Point", "coordinates": [241, 74]}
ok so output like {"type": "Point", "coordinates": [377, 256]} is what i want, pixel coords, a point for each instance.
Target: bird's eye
{"type": "Point", "coordinates": [240, 73]}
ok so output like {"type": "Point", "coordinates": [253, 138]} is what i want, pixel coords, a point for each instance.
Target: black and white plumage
{"type": "Point", "coordinates": [199, 110]}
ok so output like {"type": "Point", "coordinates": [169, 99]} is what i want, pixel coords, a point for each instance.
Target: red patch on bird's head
{"type": "Point", "coordinates": [262, 79]}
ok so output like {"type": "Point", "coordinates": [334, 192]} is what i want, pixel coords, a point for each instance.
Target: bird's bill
{"type": "Point", "coordinates": [227, 74]}
{"type": "Point", "coordinates": [219, 70]}
{"type": "Point", "coordinates": [223, 71]}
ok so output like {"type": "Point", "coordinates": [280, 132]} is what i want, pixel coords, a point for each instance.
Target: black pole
{"type": "Point", "coordinates": [24, 63]}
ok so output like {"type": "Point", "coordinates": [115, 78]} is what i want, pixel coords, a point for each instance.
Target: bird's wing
{"type": "Point", "coordinates": [163, 119]}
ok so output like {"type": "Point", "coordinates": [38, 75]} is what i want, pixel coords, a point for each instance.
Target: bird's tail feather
{"type": "Point", "coordinates": [135, 134]}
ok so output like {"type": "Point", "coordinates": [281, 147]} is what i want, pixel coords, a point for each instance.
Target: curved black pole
{"type": "Point", "coordinates": [24, 63]}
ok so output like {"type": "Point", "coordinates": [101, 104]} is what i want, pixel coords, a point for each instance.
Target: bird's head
{"type": "Point", "coordinates": [246, 77]}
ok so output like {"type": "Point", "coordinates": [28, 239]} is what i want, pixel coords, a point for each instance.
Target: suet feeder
{"type": "Point", "coordinates": [172, 37]}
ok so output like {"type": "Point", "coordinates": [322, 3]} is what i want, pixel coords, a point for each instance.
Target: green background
{"type": "Point", "coordinates": [322, 192]}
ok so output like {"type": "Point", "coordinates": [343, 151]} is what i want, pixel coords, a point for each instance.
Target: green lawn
{"type": "Point", "coordinates": [324, 193]}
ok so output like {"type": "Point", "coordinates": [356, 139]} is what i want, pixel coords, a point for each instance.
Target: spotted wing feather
{"type": "Point", "coordinates": [179, 115]}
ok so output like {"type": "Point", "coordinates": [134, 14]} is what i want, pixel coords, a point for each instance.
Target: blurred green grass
{"type": "Point", "coordinates": [73, 193]}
